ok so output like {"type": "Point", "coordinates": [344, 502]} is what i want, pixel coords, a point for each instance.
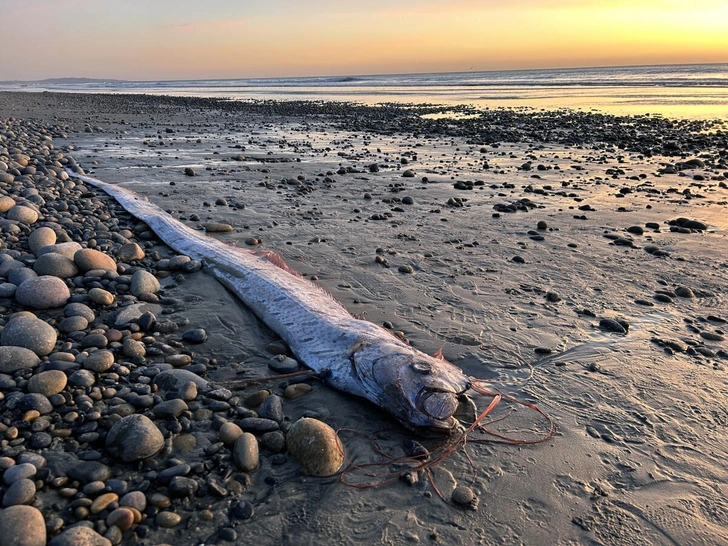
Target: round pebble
{"type": "Point", "coordinates": [316, 447]}
{"type": "Point", "coordinates": [167, 520]}
{"type": "Point", "coordinates": [130, 252]}
{"type": "Point", "coordinates": [143, 282]}
{"type": "Point", "coordinates": [20, 492]}
{"type": "Point", "coordinates": [134, 437]}
{"type": "Point", "coordinates": [55, 265]}
{"type": "Point", "coordinates": [246, 453]}
{"type": "Point", "coordinates": [229, 433]}
{"type": "Point", "coordinates": [31, 333]}
{"type": "Point", "coordinates": [40, 237]}
{"type": "Point", "coordinates": [87, 259]}
{"type": "Point", "coordinates": [48, 383]}
{"type": "Point", "coordinates": [79, 536]}
{"type": "Point", "coordinates": [43, 292]}
{"type": "Point", "coordinates": [101, 296]}
{"type": "Point", "coordinates": [22, 526]}
{"type": "Point", "coordinates": [463, 495]}
{"type": "Point", "coordinates": [99, 361]}
{"type": "Point", "coordinates": [24, 214]}
{"type": "Point", "coordinates": [13, 359]}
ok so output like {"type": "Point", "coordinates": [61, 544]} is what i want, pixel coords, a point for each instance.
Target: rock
{"type": "Point", "coordinates": [463, 495]}
{"type": "Point", "coordinates": [35, 401]}
{"type": "Point", "coordinates": [38, 238]}
{"type": "Point", "coordinates": [143, 281]}
{"type": "Point", "coordinates": [123, 518]}
{"type": "Point", "coordinates": [134, 437]}
{"type": "Point", "coordinates": [22, 213]}
{"type": "Point", "coordinates": [246, 453]}
{"type": "Point", "coordinates": [170, 408]}
{"type": "Point", "coordinates": [130, 252]}
{"type": "Point", "coordinates": [44, 292]}
{"type": "Point", "coordinates": [272, 408]}
{"type": "Point", "coordinates": [218, 227]}
{"type": "Point", "coordinates": [13, 359]}
{"type": "Point", "coordinates": [101, 296]}
{"type": "Point", "coordinates": [87, 259]}
{"type": "Point", "coordinates": [196, 335]}
{"type": "Point", "coordinates": [31, 333]}
{"type": "Point", "coordinates": [89, 471]}
{"type": "Point", "coordinates": [20, 492]}
{"type": "Point", "coordinates": [409, 173]}
{"type": "Point", "coordinates": [6, 203]}
{"type": "Point", "coordinates": [79, 536]}
{"type": "Point", "coordinates": [229, 433]}
{"type": "Point", "coordinates": [173, 380]}
{"type": "Point", "coordinates": [315, 446]}
{"type": "Point", "coordinates": [68, 249]}
{"type": "Point", "coordinates": [55, 265]}
{"type": "Point", "coordinates": [22, 526]}
{"type": "Point", "coordinates": [19, 274]}
{"type": "Point", "coordinates": [296, 390]}
{"type": "Point", "coordinates": [99, 361]}
{"type": "Point", "coordinates": [8, 289]}
{"type": "Point", "coordinates": [102, 502]}
{"type": "Point", "coordinates": [189, 171]}
{"type": "Point", "coordinates": [684, 292]}
{"type": "Point", "coordinates": [283, 364]}
{"type": "Point", "coordinates": [19, 472]}
{"type": "Point", "coordinates": [72, 324]}
{"type": "Point", "coordinates": [167, 520]}
{"type": "Point", "coordinates": [611, 325]}
{"type": "Point", "coordinates": [48, 383]}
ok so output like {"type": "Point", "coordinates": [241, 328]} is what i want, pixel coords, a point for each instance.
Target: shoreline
{"type": "Point", "coordinates": [638, 411]}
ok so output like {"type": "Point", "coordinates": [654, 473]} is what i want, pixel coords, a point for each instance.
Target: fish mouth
{"type": "Point", "coordinates": [439, 406]}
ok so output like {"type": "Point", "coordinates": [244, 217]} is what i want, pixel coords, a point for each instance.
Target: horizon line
{"type": "Point", "coordinates": [541, 69]}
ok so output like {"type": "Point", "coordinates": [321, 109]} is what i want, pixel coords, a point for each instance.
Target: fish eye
{"type": "Point", "coordinates": [422, 367]}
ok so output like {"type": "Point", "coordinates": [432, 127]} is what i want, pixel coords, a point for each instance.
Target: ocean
{"type": "Point", "coordinates": [698, 91]}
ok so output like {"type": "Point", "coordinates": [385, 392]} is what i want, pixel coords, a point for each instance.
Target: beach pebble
{"type": "Point", "coordinates": [170, 408]}
{"type": "Point", "coordinates": [612, 325]}
{"type": "Point", "coordinates": [101, 296]}
{"type": "Point", "coordinates": [38, 238]}
{"type": "Point", "coordinates": [173, 380]}
{"type": "Point", "coordinates": [13, 359]}
{"type": "Point", "coordinates": [24, 214]}
{"type": "Point", "coordinates": [20, 492]}
{"type": "Point", "coordinates": [79, 536]}
{"type": "Point", "coordinates": [463, 495]}
{"type": "Point", "coordinates": [189, 171]}
{"type": "Point", "coordinates": [196, 335]}
{"type": "Point", "coordinates": [409, 173]}
{"type": "Point", "coordinates": [684, 292]}
{"type": "Point", "coordinates": [167, 520]}
{"type": "Point", "coordinates": [316, 447]}
{"type": "Point", "coordinates": [48, 383]}
{"type": "Point", "coordinates": [72, 324]}
{"type": "Point", "coordinates": [130, 252]}
{"type": "Point", "coordinates": [87, 259]}
{"type": "Point", "coordinates": [67, 249]}
{"type": "Point", "coordinates": [19, 274]}
{"type": "Point", "coordinates": [122, 517]}
{"type": "Point", "coordinates": [272, 409]}
{"type": "Point", "coordinates": [8, 289]}
{"type": "Point", "coordinates": [245, 452]}
{"type": "Point", "coordinates": [218, 227]}
{"type": "Point", "coordinates": [99, 361]}
{"type": "Point", "coordinates": [134, 437]}
{"type": "Point", "coordinates": [22, 526]}
{"type": "Point", "coordinates": [142, 282]}
{"type": "Point", "coordinates": [283, 364]}
{"type": "Point", "coordinates": [31, 333]}
{"type": "Point", "coordinates": [56, 265]}
{"type": "Point", "coordinates": [6, 203]}
{"type": "Point", "coordinates": [229, 433]}
{"type": "Point", "coordinates": [44, 292]}
{"type": "Point", "coordinates": [296, 390]}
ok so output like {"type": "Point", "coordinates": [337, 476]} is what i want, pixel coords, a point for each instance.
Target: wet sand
{"type": "Point", "coordinates": [641, 444]}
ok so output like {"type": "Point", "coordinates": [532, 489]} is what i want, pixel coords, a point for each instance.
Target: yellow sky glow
{"type": "Point", "coordinates": [288, 38]}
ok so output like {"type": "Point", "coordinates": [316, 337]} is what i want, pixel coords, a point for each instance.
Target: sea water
{"type": "Point", "coordinates": [680, 91]}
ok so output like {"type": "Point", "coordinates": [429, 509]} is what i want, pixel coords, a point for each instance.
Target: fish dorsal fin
{"type": "Point", "coordinates": [278, 261]}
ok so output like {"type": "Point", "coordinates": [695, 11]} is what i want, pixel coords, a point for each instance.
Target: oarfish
{"type": "Point", "coordinates": [350, 354]}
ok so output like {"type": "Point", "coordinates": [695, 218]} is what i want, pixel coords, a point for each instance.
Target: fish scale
{"type": "Point", "coordinates": [352, 355]}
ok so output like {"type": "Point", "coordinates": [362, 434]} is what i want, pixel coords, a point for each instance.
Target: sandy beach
{"type": "Point", "coordinates": [592, 249]}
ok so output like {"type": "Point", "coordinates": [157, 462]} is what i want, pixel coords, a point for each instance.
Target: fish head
{"type": "Point", "coordinates": [421, 391]}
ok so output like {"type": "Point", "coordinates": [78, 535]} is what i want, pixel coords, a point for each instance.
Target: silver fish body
{"type": "Point", "coordinates": [352, 355]}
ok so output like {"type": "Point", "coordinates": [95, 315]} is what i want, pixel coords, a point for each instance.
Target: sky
{"type": "Point", "coordinates": [194, 39]}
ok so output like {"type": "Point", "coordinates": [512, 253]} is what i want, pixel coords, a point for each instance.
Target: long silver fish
{"type": "Point", "coordinates": [352, 355]}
